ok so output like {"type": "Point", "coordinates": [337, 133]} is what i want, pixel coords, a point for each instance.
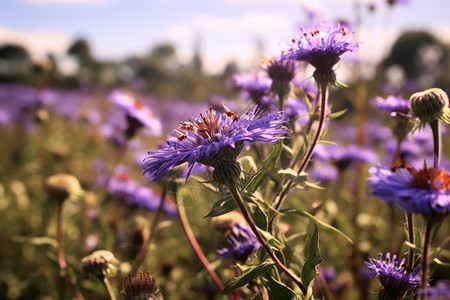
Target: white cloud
{"type": "Point", "coordinates": [67, 1]}
{"type": "Point", "coordinates": [38, 42]}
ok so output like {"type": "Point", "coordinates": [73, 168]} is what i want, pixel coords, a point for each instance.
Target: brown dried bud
{"type": "Point", "coordinates": [62, 187]}
{"type": "Point", "coordinates": [141, 287]}
{"type": "Point", "coordinates": [100, 262]}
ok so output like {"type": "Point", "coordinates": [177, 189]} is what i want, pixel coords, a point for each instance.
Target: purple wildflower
{"type": "Point", "coordinates": [242, 242]}
{"type": "Point", "coordinates": [213, 140]}
{"type": "Point", "coordinates": [393, 276]}
{"type": "Point", "coordinates": [121, 181]}
{"type": "Point", "coordinates": [254, 86]}
{"type": "Point", "coordinates": [391, 103]}
{"type": "Point", "coordinates": [440, 291]}
{"type": "Point", "coordinates": [322, 47]}
{"type": "Point", "coordinates": [138, 114]}
{"type": "Point", "coordinates": [425, 191]}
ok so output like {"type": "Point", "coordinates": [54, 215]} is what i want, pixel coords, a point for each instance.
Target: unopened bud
{"type": "Point", "coordinates": [430, 105]}
{"type": "Point", "coordinates": [62, 187]}
{"type": "Point", "coordinates": [100, 263]}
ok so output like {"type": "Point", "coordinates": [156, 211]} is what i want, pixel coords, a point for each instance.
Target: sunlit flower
{"type": "Point", "coordinates": [322, 47]}
{"type": "Point", "coordinates": [242, 242]}
{"type": "Point", "coordinates": [393, 276]}
{"type": "Point", "coordinates": [425, 191]}
{"type": "Point", "coordinates": [214, 140]}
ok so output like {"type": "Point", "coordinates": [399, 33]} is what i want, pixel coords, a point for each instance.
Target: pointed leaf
{"type": "Point", "coordinates": [248, 275]}
{"type": "Point", "coordinates": [277, 289]}
{"type": "Point", "coordinates": [267, 167]}
{"type": "Point", "coordinates": [313, 258]}
{"type": "Point", "coordinates": [258, 216]}
{"type": "Point", "coordinates": [294, 176]}
{"type": "Point", "coordinates": [222, 206]}
{"type": "Point", "coordinates": [320, 223]}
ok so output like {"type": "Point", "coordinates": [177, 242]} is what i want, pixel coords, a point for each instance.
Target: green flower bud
{"type": "Point", "coordinates": [430, 105]}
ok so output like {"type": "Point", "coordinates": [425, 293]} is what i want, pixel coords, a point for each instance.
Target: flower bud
{"type": "Point", "coordinates": [62, 187]}
{"type": "Point", "coordinates": [430, 105]}
{"type": "Point", "coordinates": [99, 263]}
{"type": "Point", "coordinates": [141, 287]}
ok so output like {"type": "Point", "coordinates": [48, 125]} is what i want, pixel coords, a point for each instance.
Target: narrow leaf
{"type": "Point", "coordinates": [267, 167]}
{"type": "Point", "coordinates": [222, 206]}
{"type": "Point", "coordinates": [277, 289]}
{"type": "Point", "coordinates": [248, 275]}
{"type": "Point", "coordinates": [294, 176]}
{"type": "Point", "coordinates": [320, 223]}
{"type": "Point", "coordinates": [313, 258]}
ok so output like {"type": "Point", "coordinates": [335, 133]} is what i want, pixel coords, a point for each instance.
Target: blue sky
{"type": "Point", "coordinates": [226, 29]}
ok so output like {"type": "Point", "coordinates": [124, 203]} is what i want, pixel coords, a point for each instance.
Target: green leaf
{"type": "Point", "coordinates": [277, 289]}
{"type": "Point", "coordinates": [294, 176]}
{"type": "Point", "coordinates": [271, 240]}
{"type": "Point", "coordinates": [313, 258]}
{"type": "Point", "coordinates": [337, 114]}
{"type": "Point", "coordinates": [258, 216]}
{"type": "Point", "coordinates": [222, 206]}
{"type": "Point", "coordinates": [267, 167]}
{"type": "Point", "coordinates": [320, 223]}
{"type": "Point", "coordinates": [37, 241]}
{"type": "Point", "coordinates": [248, 275]}
{"type": "Point", "coordinates": [261, 203]}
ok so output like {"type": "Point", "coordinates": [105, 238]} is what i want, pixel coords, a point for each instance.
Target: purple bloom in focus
{"type": "Point", "coordinates": [242, 242]}
{"type": "Point", "coordinates": [391, 103]}
{"type": "Point", "coordinates": [322, 47]}
{"type": "Point", "coordinates": [213, 140]}
{"type": "Point", "coordinates": [393, 276]}
{"type": "Point", "coordinates": [425, 191]}
{"type": "Point", "coordinates": [440, 291]}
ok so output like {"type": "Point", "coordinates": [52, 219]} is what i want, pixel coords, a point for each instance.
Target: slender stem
{"type": "Point", "coordinates": [410, 219]}
{"type": "Point", "coordinates": [237, 197]}
{"type": "Point", "coordinates": [322, 116]}
{"type": "Point", "coordinates": [146, 246]}
{"type": "Point", "coordinates": [61, 259]}
{"type": "Point", "coordinates": [436, 142]}
{"type": "Point", "coordinates": [108, 288]}
{"type": "Point", "coordinates": [198, 251]}
{"type": "Point", "coordinates": [324, 283]}
{"type": "Point", "coordinates": [425, 249]}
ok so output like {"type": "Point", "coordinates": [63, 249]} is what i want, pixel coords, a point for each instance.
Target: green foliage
{"type": "Point", "coordinates": [313, 258]}
{"type": "Point", "coordinates": [249, 273]}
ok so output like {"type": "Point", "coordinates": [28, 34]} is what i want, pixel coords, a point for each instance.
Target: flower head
{"type": "Point", "coordinates": [391, 103]}
{"type": "Point", "coordinates": [61, 187]}
{"type": "Point", "coordinates": [99, 263]}
{"type": "Point", "coordinates": [425, 191]}
{"type": "Point", "coordinates": [430, 105]}
{"type": "Point", "coordinates": [140, 287]}
{"type": "Point", "coordinates": [322, 47]}
{"type": "Point", "coordinates": [242, 242]}
{"type": "Point", "coordinates": [440, 291]}
{"type": "Point", "coordinates": [254, 86]}
{"type": "Point", "coordinates": [214, 140]}
{"type": "Point", "coordinates": [393, 276]}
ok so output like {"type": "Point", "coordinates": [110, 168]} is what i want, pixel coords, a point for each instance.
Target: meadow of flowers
{"type": "Point", "coordinates": [300, 186]}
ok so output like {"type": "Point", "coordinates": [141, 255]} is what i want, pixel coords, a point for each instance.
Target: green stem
{"type": "Point", "coordinates": [410, 219]}
{"type": "Point", "coordinates": [198, 251]}
{"type": "Point", "coordinates": [146, 246]}
{"type": "Point", "coordinates": [108, 288]}
{"type": "Point", "coordinates": [237, 197]}
{"type": "Point", "coordinates": [436, 142]}
{"type": "Point", "coordinates": [425, 249]}
{"type": "Point", "coordinates": [322, 117]}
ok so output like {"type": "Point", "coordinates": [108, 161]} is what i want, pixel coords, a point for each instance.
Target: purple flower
{"type": "Point", "coordinates": [391, 103]}
{"type": "Point", "coordinates": [144, 197]}
{"type": "Point", "coordinates": [254, 86]}
{"type": "Point", "coordinates": [440, 291]}
{"type": "Point", "coordinates": [425, 191]}
{"type": "Point", "coordinates": [242, 242]}
{"type": "Point", "coordinates": [322, 47]}
{"type": "Point", "coordinates": [393, 276]}
{"type": "Point", "coordinates": [121, 181]}
{"type": "Point", "coordinates": [137, 112]}
{"type": "Point", "coordinates": [213, 140]}
{"type": "Point", "coordinates": [280, 70]}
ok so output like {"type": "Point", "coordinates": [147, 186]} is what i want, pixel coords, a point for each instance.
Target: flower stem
{"type": "Point", "coordinates": [322, 116]}
{"type": "Point", "coordinates": [436, 142]}
{"type": "Point", "coordinates": [198, 251]}
{"type": "Point", "coordinates": [108, 288]}
{"type": "Point", "coordinates": [425, 249]}
{"type": "Point", "coordinates": [61, 259]}
{"type": "Point", "coordinates": [410, 220]}
{"type": "Point", "coordinates": [146, 246]}
{"type": "Point", "coordinates": [237, 197]}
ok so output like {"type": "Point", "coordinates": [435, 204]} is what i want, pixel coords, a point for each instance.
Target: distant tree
{"type": "Point", "coordinates": [82, 51]}
{"type": "Point", "coordinates": [14, 52]}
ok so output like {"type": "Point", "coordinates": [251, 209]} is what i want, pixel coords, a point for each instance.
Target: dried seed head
{"type": "Point", "coordinates": [430, 105]}
{"type": "Point", "coordinates": [62, 187]}
{"type": "Point", "coordinates": [141, 287]}
{"type": "Point", "coordinates": [99, 263]}
{"type": "Point", "coordinates": [225, 223]}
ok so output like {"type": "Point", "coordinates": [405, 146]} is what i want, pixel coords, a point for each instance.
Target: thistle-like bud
{"type": "Point", "coordinates": [141, 287]}
{"type": "Point", "coordinates": [99, 263]}
{"type": "Point", "coordinates": [430, 105]}
{"type": "Point", "coordinates": [62, 187]}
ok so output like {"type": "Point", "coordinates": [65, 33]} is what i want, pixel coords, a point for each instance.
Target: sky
{"type": "Point", "coordinates": [224, 30]}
